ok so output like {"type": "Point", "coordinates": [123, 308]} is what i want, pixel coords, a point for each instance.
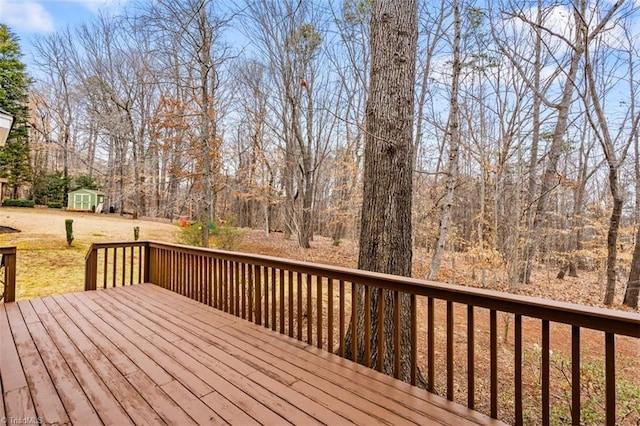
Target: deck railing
{"type": "Point", "coordinates": [8, 274]}
{"type": "Point", "coordinates": [112, 264]}
{"type": "Point", "coordinates": [474, 356]}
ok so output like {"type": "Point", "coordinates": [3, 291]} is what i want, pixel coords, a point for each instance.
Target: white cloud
{"type": "Point", "coordinates": [38, 16]}
{"type": "Point", "coordinates": [25, 16]}
{"type": "Point", "coordinates": [99, 5]}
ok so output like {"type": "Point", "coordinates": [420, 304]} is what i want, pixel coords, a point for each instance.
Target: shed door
{"type": "Point", "coordinates": [82, 201]}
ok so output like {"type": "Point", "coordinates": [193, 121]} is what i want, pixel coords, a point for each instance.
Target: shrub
{"type": "Point", "coordinates": [190, 235]}
{"type": "Point", "coordinates": [136, 233]}
{"type": "Point", "coordinates": [68, 226]}
{"type": "Point", "coordinates": [592, 390]}
{"type": "Point", "coordinates": [226, 235]}
{"type": "Point", "coordinates": [54, 205]}
{"type": "Point", "coordinates": [18, 203]}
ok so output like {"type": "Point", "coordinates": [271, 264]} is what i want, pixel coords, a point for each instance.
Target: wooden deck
{"type": "Point", "coordinates": [144, 355]}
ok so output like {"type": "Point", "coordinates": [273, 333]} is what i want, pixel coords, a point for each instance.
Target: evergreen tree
{"type": "Point", "coordinates": [50, 188]}
{"type": "Point", "coordinates": [14, 98]}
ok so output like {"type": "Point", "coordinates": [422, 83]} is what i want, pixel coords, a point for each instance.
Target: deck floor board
{"type": "Point", "coordinates": [43, 391]}
{"type": "Point", "coordinates": [143, 355]}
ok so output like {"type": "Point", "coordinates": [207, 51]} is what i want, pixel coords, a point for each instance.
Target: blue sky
{"type": "Point", "coordinates": [28, 18]}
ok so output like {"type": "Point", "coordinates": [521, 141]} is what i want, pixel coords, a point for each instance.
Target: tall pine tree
{"type": "Point", "coordinates": [14, 98]}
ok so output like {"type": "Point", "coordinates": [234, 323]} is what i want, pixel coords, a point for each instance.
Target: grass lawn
{"type": "Point", "coordinates": [45, 264]}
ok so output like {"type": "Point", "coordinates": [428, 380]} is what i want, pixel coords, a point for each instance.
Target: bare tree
{"type": "Point", "coordinates": [117, 85]}
{"type": "Point", "coordinates": [351, 59]}
{"type": "Point", "coordinates": [633, 284]}
{"type": "Point", "coordinates": [53, 61]}
{"type": "Point", "coordinates": [253, 146]}
{"type": "Point", "coordinates": [615, 153]}
{"type": "Point", "coordinates": [194, 29]}
{"type": "Point", "coordinates": [288, 36]}
{"type": "Point", "coordinates": [576, 45]}
{"type": "Point", "coordinates": [453, 136]}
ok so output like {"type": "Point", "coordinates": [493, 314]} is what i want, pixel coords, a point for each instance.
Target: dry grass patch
{"type": "Point", "coordinates": [45, 265]}
{"type": "Point", "coordinates": [44, 271]}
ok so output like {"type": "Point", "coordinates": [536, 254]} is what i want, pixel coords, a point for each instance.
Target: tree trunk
{"type": "Point", "coordinates": [208, 129]}
{"type": "Point", "coordinates": [289, 187]}
{"type": "Point", "coordinates": [612, 237]}
{"type": "Point", "coordinates": [636, 141]}
{"type": "Point", "coordinates": [386, 232]}
{"type": "Point", "coordinates": [65, 166]}
{"type": "Point", "coordinates": [120, 160]}
{"type": "Point", "coordinates": [524, 271]}
{"type": "Point", "coordinates": [136, 164]}
{"type": "Point", "coordinates": [454, 143]}
{"type": "Point", "coordinates": [601, 127]}
{"type": "Point", "coordinates": [550, 175]}
{"type": "Point", "coordinates": [305, 180]}
{"type": "Point", "coordinates": [633, 285]}
{"type": "Point", "coordinates": [562, 271]}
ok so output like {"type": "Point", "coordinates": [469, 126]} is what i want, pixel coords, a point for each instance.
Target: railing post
{"type": "Point", "coordinates": [146, 275]}
{"type": "Point", "coordinates": [257, 298]}
{"type": "Point", "coordinates": [91, 269]}
{"type": "Point", "coordinates": [9, 258]}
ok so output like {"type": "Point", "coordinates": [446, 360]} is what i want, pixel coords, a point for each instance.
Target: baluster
{"type": "Point", "coordinates": [367, 326]}
{"type": "Point", "coordinates": [493, 336]}
{"type": "Point", "coordinates": [381, 343]}
{"type": "Point", "coordinates": [575, 375]}
{"type": "Point", "coordinates": [471, 374]}
{"type": "Point", "coordinates": [449, 350]}
{"type": "Point", "coordinates": [430, 346]}
{"type": "Point", "coordinates": [518, 369]}
{"type": "Point", "coordinates": [319, 311]}
{"type": "Point", "coordinates": [354, 323]}
{"type": "Point", "coordinates": [309, 311]}
{"type": "Point", "coordinates": [330, 315]}
{"type": "Point", "coordinates": [610, 378]}
{"type": "Point", "coordinates": [299, 299]}
{"type": "Point", "coordinates": [545, 372]}
{"type": "Point", "coordinates": [396, 333]}
{"type": "Point", "coordinates": [115, 262]}
{"type": "Point", "coordinates": [282, 301]}
{"type": "Point", "coordinates": [342, 319]}
{"type": "Point", "coordinates": [105, 266]}
{"type": "Point", "coordinates": [414, 338]}
{"type": "Point", "coordinates": [273, 299]}
{"type": "Point", "coordinates": [266, 296]}
{"type": "Point", "coordinates": [291, 313]}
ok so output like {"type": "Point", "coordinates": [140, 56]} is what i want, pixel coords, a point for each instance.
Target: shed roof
{"type": "Point", "coordinates": [90, 191]}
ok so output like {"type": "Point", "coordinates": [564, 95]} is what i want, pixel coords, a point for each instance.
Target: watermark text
{"type": "Point", "coordinates": [20, 420]}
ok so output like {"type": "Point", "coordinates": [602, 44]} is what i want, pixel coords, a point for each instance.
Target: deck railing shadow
{"type": "Point", "coordinates": [466, 343]}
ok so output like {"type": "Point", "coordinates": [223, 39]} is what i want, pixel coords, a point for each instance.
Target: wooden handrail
{"type": "Point", "coordinates": [119, 263]}
{"type": "Point", "coordinates": [622, 323]}
{"type": "Point", "coordinates": [9, 280]}
{"type": "Point", "coordinates": [285, 295]}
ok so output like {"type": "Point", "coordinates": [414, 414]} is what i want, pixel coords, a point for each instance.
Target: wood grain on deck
{"type": "Point", "coordinates": [143, 355]}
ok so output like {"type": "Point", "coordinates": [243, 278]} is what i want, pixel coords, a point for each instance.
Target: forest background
{"type": "Point", "coordinates": [527, 151]}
